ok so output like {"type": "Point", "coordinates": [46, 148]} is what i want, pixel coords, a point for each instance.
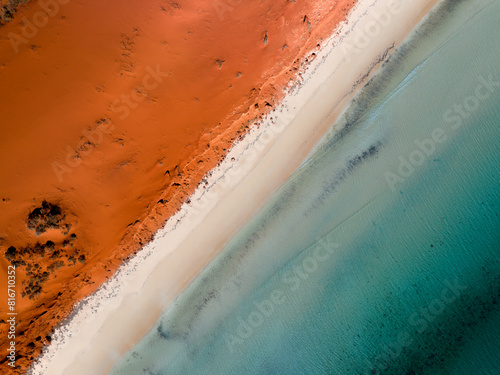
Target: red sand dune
{"type": "Point", "coordinates": [112, 112]}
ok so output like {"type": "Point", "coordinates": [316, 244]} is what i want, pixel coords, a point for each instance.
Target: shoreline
{"type": "Point", "coordinates": [306, 114]}
{"type": "Point", "coordinates": [129, 155]}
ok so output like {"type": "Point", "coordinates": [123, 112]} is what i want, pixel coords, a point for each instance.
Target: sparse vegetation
{"type": "Point", "coordinates": [48, 216]}
{"type": "Point", "coordinates": [41, 260]}
{"type": "Point", "coordinates": [34, 286]}
{"type": "Point", "coordinates": [8, 9]}
{"type": "Point", "coordinates": [10, 254]}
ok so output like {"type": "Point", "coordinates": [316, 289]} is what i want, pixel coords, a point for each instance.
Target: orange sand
{"type": "Point", "coordinates": [114, 111]}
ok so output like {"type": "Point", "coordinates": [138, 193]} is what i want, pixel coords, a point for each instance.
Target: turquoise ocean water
{"type": "Point", "coordinates": [381, 254]}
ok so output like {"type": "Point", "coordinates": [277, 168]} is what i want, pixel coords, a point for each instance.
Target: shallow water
{"type": "Point", "coordinates": [381, 253]}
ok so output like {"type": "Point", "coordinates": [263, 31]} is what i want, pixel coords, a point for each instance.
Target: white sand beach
{"type": "Point", "coordinates": [110, 322]}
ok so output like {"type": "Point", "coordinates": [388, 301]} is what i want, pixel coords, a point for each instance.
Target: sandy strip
{"type": "Point", "coordinates": [107, 324]}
